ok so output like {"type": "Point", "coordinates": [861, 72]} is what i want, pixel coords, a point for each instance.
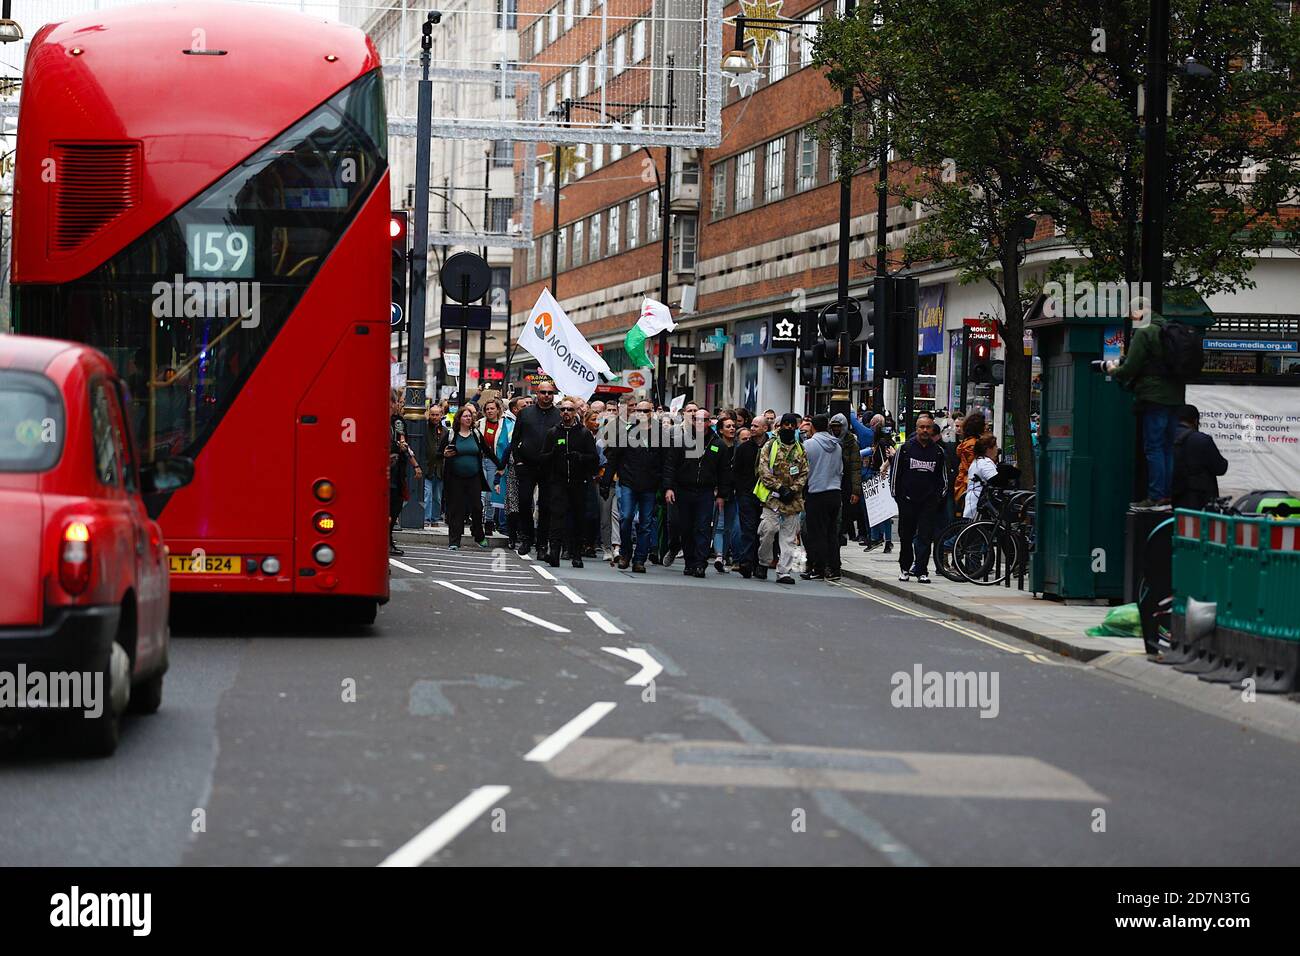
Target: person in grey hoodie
{"type": "Point", "coordinates": [825, 477]}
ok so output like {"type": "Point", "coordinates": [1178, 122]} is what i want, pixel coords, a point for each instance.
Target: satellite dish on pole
{"type": "Point", "coordinates": [465, 277]}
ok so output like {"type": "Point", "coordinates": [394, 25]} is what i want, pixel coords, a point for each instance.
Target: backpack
{"type": "Point", "coordinates": [1183, 350]}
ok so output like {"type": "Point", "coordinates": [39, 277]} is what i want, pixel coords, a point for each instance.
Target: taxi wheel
{"type": "Point", "coordinates": [146, 696]}
{"type": "Point", "coordinates": [98, 736]}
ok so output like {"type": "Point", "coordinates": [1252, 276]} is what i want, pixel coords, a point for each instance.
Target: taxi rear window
{"type": "Point", "coordinates": [31, 422]}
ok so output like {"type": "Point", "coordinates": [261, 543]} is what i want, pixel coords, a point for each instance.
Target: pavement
{"type": "Point", "coordinates": [503, 712]}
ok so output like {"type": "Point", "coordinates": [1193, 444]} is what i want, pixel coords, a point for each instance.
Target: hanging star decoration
{"type": "Point", "coordinates": [569, 162]}
{"type": "Point", "coordinates": [747, 83]}
{"type": "Point", "coordinates": [764, 33]}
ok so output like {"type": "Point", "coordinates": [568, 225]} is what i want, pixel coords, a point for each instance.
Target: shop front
{"type": "Point", "coordinates": [764, 375]}
{"type": "Point", "coordinates": [710, 350]}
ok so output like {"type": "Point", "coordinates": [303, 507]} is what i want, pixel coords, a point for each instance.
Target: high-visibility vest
{"type": "Point", "coordinates": [761, 491]}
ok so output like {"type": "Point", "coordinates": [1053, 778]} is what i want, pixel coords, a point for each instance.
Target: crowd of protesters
{"type": "Point", "coordinates": [638, 485]}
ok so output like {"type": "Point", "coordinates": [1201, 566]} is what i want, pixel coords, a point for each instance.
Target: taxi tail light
{"type": "Point", "coordinates": [74, 558]}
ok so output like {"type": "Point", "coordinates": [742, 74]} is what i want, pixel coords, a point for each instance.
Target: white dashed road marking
{"type": "Point", "coordinates": [460, 590]}
{"type": "Point", "coordinates": [405, 567]}
{"type": "Point", "coordinates": [570, 732]}
{"type": "Point", "coordinates": [446, 828]}
{"type": "Point", "coordinates": [604, 623]}
{"type": "Point", "coordinates": [571, 594]}
{"type": "Point", "coordinates": [540, 622]}
{"type": "Point", "coordinates": [544, 573]}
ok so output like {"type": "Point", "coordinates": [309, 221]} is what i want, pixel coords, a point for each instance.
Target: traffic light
{"type": "Point", "coordinates": [397, 231]}
{"type": "Point", "coordinates": [981, 362]}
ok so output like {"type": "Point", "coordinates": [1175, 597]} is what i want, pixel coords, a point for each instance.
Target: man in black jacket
{"type": "Point", "coordinates": [697, 482]}
{"type": "Point", "coordinates": [744, 475]}
{"type": "Point", "coordinates": [1197, 463]}
{"type": "Point", "coordinates": [531, 427]}
{"type": "Point", "coordinates": [569, 459]}
{"type": "Point", "coordinates": [637, 459]}
{"type": "Point", "coordinates": [919, 482]}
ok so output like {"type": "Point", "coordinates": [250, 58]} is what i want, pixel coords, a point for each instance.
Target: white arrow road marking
{"type": "Point", "coordinates": [405, 567]}
{"type": "Point", "coordinates": [571, 594]}
{"type": "Point", "coordinates": [460, 590]}
{"type": "Point", "coordinates": [650, 668]}
{"type": "Point", "coordinates": [544, 573]}
{"type": "Point", "coordinates": [604, 623]}
{"type": "Point", "coordinates": [536, 620]}
{"type": "Point", "coordinates": [570, 732]}
{"type": "Point", "coordinates": [446, 828]}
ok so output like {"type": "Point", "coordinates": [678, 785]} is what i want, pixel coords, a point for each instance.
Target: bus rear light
{"type": "Point", "coordinates": [323, 522]}
{"type": "Point", "coordinates": [323, 554]}
{"type": "Point", "coordinates": [323, 490]}
{"type": "Point", "coordinates": [271, 565]}
{"type": "Point", "coordinates": [74, 558]}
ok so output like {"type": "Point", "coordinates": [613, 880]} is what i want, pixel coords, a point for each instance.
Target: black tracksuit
{"type": "Point", "coordinates": [569, 460]}
{"type": "Point", "coordinates": [638, 468]}
{"type": "Point", "coordinates": [526, 441]}
{"type": "Point", "coordinates": [744, 475]}
{"type": "Point", "coordinates": [919, 482]}
{"type": "Point", "coordinates": [696, 480]}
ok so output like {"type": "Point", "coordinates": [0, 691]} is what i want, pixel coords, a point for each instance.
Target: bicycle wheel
{"type": "Point", "coordinates": [943, 550]}
{"type": "Point", "coordinates": [986, 553]}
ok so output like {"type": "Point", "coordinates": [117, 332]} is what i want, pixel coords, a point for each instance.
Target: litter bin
{"type": "Point", "coordinates": [1085, 459]}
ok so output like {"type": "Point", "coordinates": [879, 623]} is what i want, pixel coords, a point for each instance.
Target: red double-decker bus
{"type": "Point", "coordinates": [202, 193]}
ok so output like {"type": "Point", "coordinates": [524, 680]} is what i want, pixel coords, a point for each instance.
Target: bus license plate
{"type": "Point", "coordinates": [211, 564]}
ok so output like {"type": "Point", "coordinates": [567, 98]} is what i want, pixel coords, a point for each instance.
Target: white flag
{"type": "Point", "coordinates": [561, 350]}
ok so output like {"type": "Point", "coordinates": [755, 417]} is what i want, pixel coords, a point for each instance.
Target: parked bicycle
{"type": "Point", "coordinates": [997, 545]}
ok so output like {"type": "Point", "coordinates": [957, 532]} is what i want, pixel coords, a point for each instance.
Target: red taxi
{"type": "Point", "coordinates": [83, 568]}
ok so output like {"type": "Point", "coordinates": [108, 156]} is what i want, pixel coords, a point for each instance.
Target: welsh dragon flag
{"type": "Point", "coordinates": [655, 318]}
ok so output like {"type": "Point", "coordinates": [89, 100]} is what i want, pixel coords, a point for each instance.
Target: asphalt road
{"type": "Point", "coordinates": [771, 736]}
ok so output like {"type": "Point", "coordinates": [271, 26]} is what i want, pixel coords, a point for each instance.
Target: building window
{"type": "Point", "coordinates": [566, 85]}
{"type": "Point", "coordinates": [688, 172]}
{"type": "Point", "coordinates": [779, 59]}
{"type": "Point", "coordinates": [568, 15]}
{"type": "Point", "coordinates": [595, 237]}
{"type": "Point", "coordinates": [599, 79]}
{"type": "Point", "coordinates": [613, 229]}
{"type": "Point", "coordinates": [553, 25]}
{"type": "Point", "coordinates": [597, 156]}
{"type": "Point", "coordinates": [620, 53]}
{"type": "Point", "coordinates": [507, 14]}
{"type": "Point", "coordinates": [550, 98]}
{"type": "Point", "coordinates": [808, 38]}
{"type": "Point", "coordinates": [718, 196]}
{"type": "Point", "coordinates": [633, 221]}
{"type": "Point", "coordinates": [638, 41]}
{"type": "Point", "coordinates": [638, 120]}
{"type": "Point", "coordinates": [583, 78]}
{"type": "Point", "coordinates": [774, 170]}
{"type": "Point", "coordinates": [499, 213]}
{"type": "Point", "coordinates": [652, 215]}
{"type": "Point", "coordinates": [807, 158]}
{"type": "Point", "coordinates": [745, 180]}
{"type": "Point", "coordinates": [684, 231]}
{"type": "Point", "coordinates": [615, 152]}
{"type": "Point", "coordinates": [505, 87]}
{"type": "Point", "coordinates": [584, 7]}
{"type": "Point", "coordinates": [578, 248]}
{"type": "Point", "coordinates": [503, 154]}
{"type": "Point", "coordinates": [532, 262]}
{"type": "Point", "coordinates": [562, 247]}
{"type": "Point", "coordinates": [539, 37]}
{"type": "Point", "coordinates": [546, 252]}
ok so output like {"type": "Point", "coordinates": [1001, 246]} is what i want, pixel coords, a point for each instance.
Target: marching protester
{"type": "Point", "coordinates": [496, 430]}
{"type": "Point", "coordinates": [532, 424]}
{"type": "Point", "coordinates": [744, 478]}
{"type": "Point", "coordinates": [568, 460]}
{"type": "Point", "coordinates": [726, 520]}
{"type": "Point", "coordinates": [433, 467]}
{"type": "Point", "coordinates": [697, 479]}
{"type": "Point", "coordinates": [782, 476]}
{"type": "Point", "coordinates": [595, 527]}
{"type": "Point", "coordinates": [920, 483]}
{"type": "Point", "coordinates": [510, 486]}
{"type": "Point", "coordinates": [985, 468]}
{"type": "Point", "coordinates": [1197, 463]}
{"type": "Point", "coordinates": [825, 484]}
{"type": "Point", "coordinates": [851, 512]}
{"type": "Point", "coordinates": [878, 464]}
{"type": "Point", "coordinates": [637, 462]}
{"type": "Point", "coordinates": [399, 453]}
{"type": "Point", "coordinates": [466, 453]}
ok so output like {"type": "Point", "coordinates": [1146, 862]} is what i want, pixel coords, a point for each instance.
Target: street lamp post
{"type": "Point", "coordinates": [413, 410]}
{"type": "Point", "coordinates": [665, 228]}
{"type": "Point", "coordinates": [566, 109]}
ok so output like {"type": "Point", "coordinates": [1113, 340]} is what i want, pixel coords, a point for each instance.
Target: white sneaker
{"type": "Point", "coordinates": [905, 576]}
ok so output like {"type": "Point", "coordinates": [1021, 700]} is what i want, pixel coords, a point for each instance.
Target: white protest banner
{"type": "Point", "coordinates": [561, 350]}
{"type": "Point", "coordinates": [677, 404]}
{"type": "Point", "coordinates": [1257, 429]}
{"type": "Point", "coordinates": [881, 505]}
{"type": "Point", "coordinates": [452, 362]}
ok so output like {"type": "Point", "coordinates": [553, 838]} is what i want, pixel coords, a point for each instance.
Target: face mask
{"type": "Point", "coordinates": [787, 436]}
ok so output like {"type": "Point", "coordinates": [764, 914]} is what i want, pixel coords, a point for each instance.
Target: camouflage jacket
{"type": "Point", "coordinates": [782, 466]}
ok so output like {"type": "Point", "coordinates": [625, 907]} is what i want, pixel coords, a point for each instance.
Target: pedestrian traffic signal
{"type": "Point", "coordinates": [892, 333]}
{"type": "Point", "coordinates": [397, 231]}
{"type": "Point", "coordinates": [981, 362]}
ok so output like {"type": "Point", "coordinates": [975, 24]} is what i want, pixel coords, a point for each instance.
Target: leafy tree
{"type": "Point", "coordinates": [1002, 109]}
